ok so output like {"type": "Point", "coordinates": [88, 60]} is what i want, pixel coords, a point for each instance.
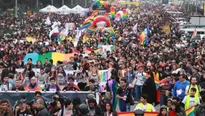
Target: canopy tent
{"type": "Point", "coordinates": [78, 9]}
{"type": "Point", "coordinates": [49, 8]}
{"type": "Point", "coordinates": [64, 9]}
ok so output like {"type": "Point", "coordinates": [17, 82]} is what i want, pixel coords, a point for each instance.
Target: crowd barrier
{"type": "Point", "coordinates": [14, 96]}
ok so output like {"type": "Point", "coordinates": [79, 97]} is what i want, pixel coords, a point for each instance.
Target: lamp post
{"type": "Point", "coordinates": [37, 4]}
{"type": "Point", "coordinates": [51, 2]}
{"type": "Point", "coordinates": [16, 6]}
{"type": "Point", "coordinates": [62, 2]}
{"type": "Point", "coordinates": [86, 3]}
{"type": "Point", "coordinates": [71, 2]}
{"type": "Point", "coordinates": [196, 7]}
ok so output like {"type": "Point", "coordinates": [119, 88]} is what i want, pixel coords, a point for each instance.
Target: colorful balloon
{"type": "Point", "coordinates": [98, 19]}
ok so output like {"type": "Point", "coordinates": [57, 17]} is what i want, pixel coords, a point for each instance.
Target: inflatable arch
{"type": "Point", "coordinates": [98, 19]}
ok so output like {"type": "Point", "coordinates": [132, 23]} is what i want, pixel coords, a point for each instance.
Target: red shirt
{"type": "Point", "coordinates": [172, 113]}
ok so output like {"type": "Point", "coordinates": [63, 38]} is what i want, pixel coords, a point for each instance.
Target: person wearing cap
{"type": "Point", "coordinates": [144, 105]}
{"type": "Point", "coordinates": [71, 86]}
{"type": "Point", "coordinates": [33, 86]}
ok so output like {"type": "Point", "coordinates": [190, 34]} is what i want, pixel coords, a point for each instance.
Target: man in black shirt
{"type": "Point", "coordinates": [24, 111]}
{"type": "Point", "coordinates": [18, 86]}
{"type": "Point", "coordinates": [124, 96]}
{"type": "Point", "coordinates": [91, 86]}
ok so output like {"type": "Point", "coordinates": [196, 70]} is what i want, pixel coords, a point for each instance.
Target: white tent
{"type": "Point", "coordinates": [78, 9]}
{"type": "Point", "coordinates": [64, 9]}
{"type": "Point", "coordinates": [49, 8]}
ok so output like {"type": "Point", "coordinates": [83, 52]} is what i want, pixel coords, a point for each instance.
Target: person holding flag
{"type": "Point", "coordinates": [191, 100]}
{"type": "Point", "coordinates": [124, 95]}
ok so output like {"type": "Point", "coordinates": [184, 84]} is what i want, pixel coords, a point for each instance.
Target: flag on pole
{"type": "Point", "coordinates": [134, 28]}
{"type": "Point", "coordinates": [194, 34]}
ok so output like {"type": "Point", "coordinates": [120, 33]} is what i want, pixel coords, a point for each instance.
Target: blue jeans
{"type": "Point", "coordinates": [138, 92]}
{"type": "Point", "coordinates": [127, 107]}
{"type": "Point", "coordinates": [124, 107]}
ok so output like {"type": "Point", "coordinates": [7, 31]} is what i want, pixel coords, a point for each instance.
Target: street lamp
{"type": "Point", "coordinates": [16, 6]}
{"type": "Point", "coordinates": [37, 4]}
{"type": "Point", "coordinates": [51, 2]}
{"type": "Point", "coordinates": [62, 2]}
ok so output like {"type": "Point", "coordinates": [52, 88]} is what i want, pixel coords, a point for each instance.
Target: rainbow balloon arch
{"type": "Point", "coordinates": [98, 7]}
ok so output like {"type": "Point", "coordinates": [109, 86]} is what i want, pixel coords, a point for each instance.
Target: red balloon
{"type": "Point", "coordinates": [98, 19]}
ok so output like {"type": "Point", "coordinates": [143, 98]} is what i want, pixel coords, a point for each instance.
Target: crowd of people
{"type": "Point", "coordinates": [178, 69]}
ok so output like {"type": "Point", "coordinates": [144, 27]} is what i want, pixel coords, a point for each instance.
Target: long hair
{"type": "Point", "coordinates": [111, 110]}
{"type": "Point", "coordinates": [160, 112]}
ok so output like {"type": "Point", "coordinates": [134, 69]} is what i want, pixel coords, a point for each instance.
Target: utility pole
{"type": "Point", "coordinates": [86, 3]}
{"type": "Point", "coordinates": [188, 5]}
{"type": "Point", "coordinates": [196, 7]}
{"type": "Point", "coordinates": [52, 2]}
{"type": "Point", "coordinates": [72, 3]}
{"type": "Point", "coordinates": [16, 8]}
{"type": "Point", "coordinates": [62, 2]}
{"type": "Point", "coordinates": [37, 4]}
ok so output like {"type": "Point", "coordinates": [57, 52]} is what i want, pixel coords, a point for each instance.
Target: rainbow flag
{"type": "Point", "coordinates": [104, 75]}
{"type": "Point", "coordinates": [88, 51]}
{"type": "Point", "coordinates": [115, 100]}
{"type": "Point", "coordinates": [85, 38]}
{"type": "Point", "coordinates": [126, 114]}
{"type": "Point", "coordinates": [124, 15]}
{"type": "Point", "coordinates": [98, 50]}
{"type": "Point", "coordinates": [112, 12]}
{"type": "Point", "coordinates": [194, 34]}
{"type": "Point", "coordinates": [60, 37]}
{"type": "Point", "coordinates": [151, 113]}
{"type": "Point", "coordinates": [144, 38]}
{"type": "Point", "coordinates": [190, 111]}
